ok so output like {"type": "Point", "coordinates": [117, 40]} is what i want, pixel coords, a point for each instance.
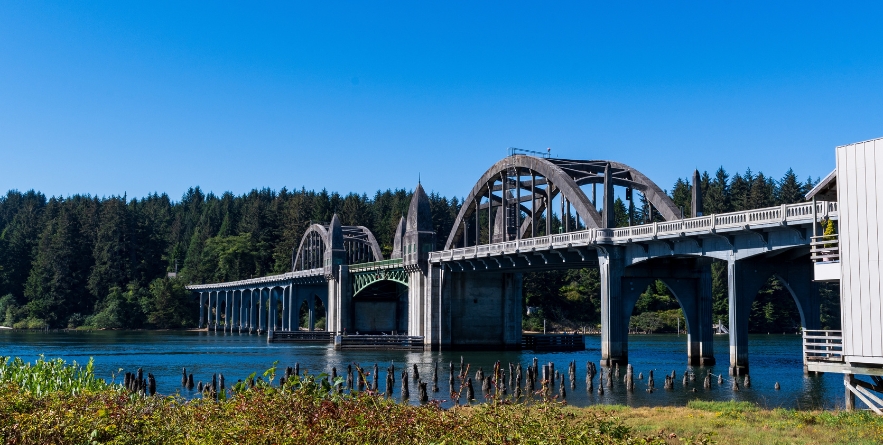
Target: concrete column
{"type": "Point", "coordinates": [217, 308]}
{"type": "Point", "coordinates": [345, 299]}
{"type": "Point", "coordinates": [744, 280]}
{"type": "Point", "coordinates": [333, 321]}
{"type": "Point", "coordinates": [440, 329]}
{"type": "Point", "coordinates": [701, 349]}
{"type": "Point", "coordinates": [259, 315]}
{"type": "Point", "coordinates": [251, 303]}
{"type": "Point", "coordinates": [614, 327]}
{"type": "Point", "coordinates": [201, 310]}
{"type": "Point", "coordinates": [418, 283]}
{"type": "Point", "coordinates": [433, 315]}
{"type": "Point", "coordinates": [311, 317]}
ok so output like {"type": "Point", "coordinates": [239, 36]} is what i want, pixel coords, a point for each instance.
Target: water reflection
{"type": "Point", "coordinates": [773, 358]}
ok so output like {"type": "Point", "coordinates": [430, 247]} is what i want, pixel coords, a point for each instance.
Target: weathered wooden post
{"type": "Point", "coordinates": [470, 392]}
{"type": "Point", "coordinates": [479, 375]}
{"type": "Point", "coordinates": [390, 381]}
{"type": "Point", "coordinates": [405, 394]}
{"type": "Point", "coordinates": [184, 376]}
{"type": "Point", "coordinates": [747, 382]}
{"type": "Point", "coordinates": [451, 375]}
{"type": "Point", "coordinates": [349, 377]}
{"type": "Point", "coordinates": [651, 384]}
{"type": "Point", "coordinates": [707, 382]}
{"type": "Point", "coordinates": [561, 391]}
{"type": "Point", "coordinates": [601, 384]}
{"type": "Point", "coordinates": [435, 376]}
{"type": "Point", "coordinates": [629, 378]}
{"type": "Point", "coordinates": [151, 384]}
{"type": "Point", "coordinates": [416, 374]}
{"type": "Point", "coordinates": [376, 378]}
{"type": "Point", "coordinates": [462, 368]}
{"type": "Point", "coordinates": [421, 392]}
{"type": "Point", "coordinates": [190, 382]}
{"type": "Point", "coordinates": [199, 387]}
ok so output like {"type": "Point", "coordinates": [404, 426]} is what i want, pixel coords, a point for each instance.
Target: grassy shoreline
{"type": "Point", "coordinates": [51, 401]}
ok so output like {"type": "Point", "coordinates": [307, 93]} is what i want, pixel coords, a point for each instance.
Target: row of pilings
{"type": "Point", "coordinates": [510, 381]}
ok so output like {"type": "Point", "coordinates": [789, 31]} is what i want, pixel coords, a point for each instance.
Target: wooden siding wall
{"type": "Point", "coordinates": [860, 195]}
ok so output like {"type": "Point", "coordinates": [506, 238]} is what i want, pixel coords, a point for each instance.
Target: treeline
{"type": "Point", "coordinates": [104, 262]}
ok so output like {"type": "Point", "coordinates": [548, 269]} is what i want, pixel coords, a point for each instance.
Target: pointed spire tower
{"type": "Point", "coordinates": [696, 205]}
{"type": "Point", "coordinates": [335, 254]}
{"type": "Point", "coordinates": [398, 241]}
{"type": "Point", "coordinates": [419, 237]}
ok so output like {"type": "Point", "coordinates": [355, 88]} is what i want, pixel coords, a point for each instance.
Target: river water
{"type": "Point", "coordinates": [773, 358]}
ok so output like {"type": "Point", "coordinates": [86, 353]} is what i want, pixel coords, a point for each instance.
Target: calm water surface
{"type": "Point", "coordinates": [773, 358]}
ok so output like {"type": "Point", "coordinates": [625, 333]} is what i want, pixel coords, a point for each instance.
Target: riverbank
{"type": "Point", "coordinates": [51, 401]}
{"type": "Point", "coordinates": [272, 416]}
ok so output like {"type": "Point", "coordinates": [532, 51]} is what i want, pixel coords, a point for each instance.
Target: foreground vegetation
{"type": "Point", "coordinates": [51, 402]}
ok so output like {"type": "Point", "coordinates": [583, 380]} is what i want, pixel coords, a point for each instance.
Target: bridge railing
{"type": "Point", "coordinates": [272, 279]}
{"type": "Point", "coordinates": [384, 264]}
{"type": "Point", "coordinates": [782, 214]}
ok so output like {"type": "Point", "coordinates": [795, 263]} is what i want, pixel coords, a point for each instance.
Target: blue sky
{"type": "Point", "coordinates": [124, 97]}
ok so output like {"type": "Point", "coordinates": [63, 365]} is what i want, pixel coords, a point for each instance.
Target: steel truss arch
{"type": "Point", "coordinates": [361, 280]}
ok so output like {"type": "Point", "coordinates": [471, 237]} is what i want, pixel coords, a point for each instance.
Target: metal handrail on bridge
{"type": "Point", "coordinates": [771, 216]}
{"type": "Point", "coordinates": [823, 345]}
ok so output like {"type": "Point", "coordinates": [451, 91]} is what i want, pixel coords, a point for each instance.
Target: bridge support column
{"type": "Point", "coordinates": [259, 313]}
{"type": "Point", "coordinates": [614, 322]}
{"type": "Point", "coordinates": [340, 302]}
{"type": "Point", "coordinates": [701, 340]}
{"type": "Point", "coordinates": [744, 280]}
{"type": "Point", "coordinates": [418, 285]}
{"type": "Point", "coordinates": [311, 308]}
{"type": "Point", "coordinates": [438, 314]}
{"type": "Point", "coordinates": [201, 309]}
{"type": "Point", "coordinates": [217, 308]}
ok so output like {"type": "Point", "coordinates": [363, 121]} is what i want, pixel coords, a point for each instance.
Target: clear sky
{"type": "Point", "coordinates": [123, 97]}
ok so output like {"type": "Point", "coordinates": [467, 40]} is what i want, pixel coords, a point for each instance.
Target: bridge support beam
{"type": "Point", "coordinates": [614, 322]}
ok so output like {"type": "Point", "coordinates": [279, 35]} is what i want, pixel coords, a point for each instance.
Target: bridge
{"type": "Point", "coordinates": [529, 214]}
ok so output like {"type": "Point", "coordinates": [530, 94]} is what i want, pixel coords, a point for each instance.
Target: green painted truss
{"type": "Point", "coordinates": [363, 279]}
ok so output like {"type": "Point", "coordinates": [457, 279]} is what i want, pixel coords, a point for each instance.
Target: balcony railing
{"type": "Point", "coordinates": [825, 248]}
{"type": "Point", "coordinates": [823, 346]}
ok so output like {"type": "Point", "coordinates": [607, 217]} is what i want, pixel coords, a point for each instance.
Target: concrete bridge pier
{"type": "Point", "coordinates": [340, 302]}
{"type": "Point", "coordinates": [614, 319]}
{"type": "Point", "coordinates": [476, 310]}
{"type": "Point", "coordinates": [746, 278]}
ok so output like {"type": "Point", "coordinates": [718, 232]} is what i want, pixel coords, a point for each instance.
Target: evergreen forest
{"type": "Point", "coordinates": [104, 263]}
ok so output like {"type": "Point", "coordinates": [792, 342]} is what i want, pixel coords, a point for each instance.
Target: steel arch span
{"type": "Point", "coordinates": [529, 185]}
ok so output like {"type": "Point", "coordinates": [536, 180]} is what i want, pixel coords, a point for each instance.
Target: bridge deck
{"type": "Point", "coordinates": [784, 215]}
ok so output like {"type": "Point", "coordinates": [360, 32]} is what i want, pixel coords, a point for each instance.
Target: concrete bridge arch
{"type": "Point", "coordinates": [529, 185]}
